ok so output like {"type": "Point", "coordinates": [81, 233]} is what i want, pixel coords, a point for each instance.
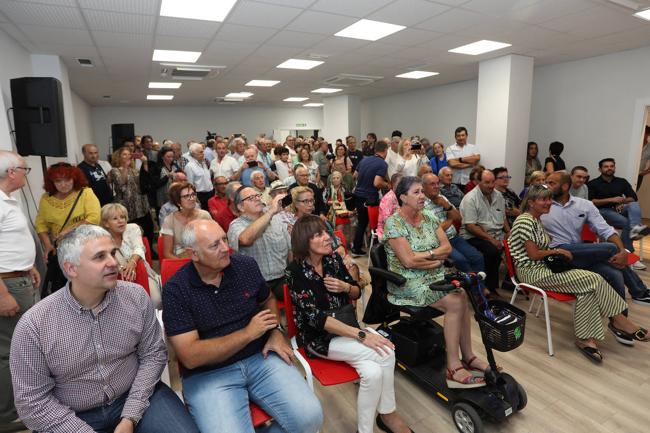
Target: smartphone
{"type": "Point", "coordinates": [137, 155]}
{"type": "Point", "coordinates": [416, 146]}
{"type": "Point", "coordinates": [286, 201]}
{"type": "Point", "coordinates": [252, 164]}
{"type": "Point", "coordinates": [237, 135]}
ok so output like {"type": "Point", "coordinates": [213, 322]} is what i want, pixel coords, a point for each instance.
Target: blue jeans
{"type": "Point", "coordinates": [466, 258]}
{"type": "Point", "coordinates": [628, 218]}
{"type": "Point", "coordinates": [218, 399]}
{"type": "Point", "coordinates": [165, 414]}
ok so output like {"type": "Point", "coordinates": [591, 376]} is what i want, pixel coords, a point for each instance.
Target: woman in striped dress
{"type": "Point", "coordinates": [529, 244]}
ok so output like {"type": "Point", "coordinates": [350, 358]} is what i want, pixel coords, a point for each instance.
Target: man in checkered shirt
{"type": "Point", "coordinates": [89, 357]}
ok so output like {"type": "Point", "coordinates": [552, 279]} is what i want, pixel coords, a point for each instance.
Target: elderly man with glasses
{"type": "Point", "coordinates": [262, 235]}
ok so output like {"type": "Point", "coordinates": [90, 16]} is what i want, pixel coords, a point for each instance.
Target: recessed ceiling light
{"type": "Point", "coordinates": [294, 99]}
{"type": "Point", "coordinates": [416, 75]}
{"type": "Point", "coordinates": [176, 56]}
{"type": "Point", "coordinates": [313, 104]}
{"type": "Point", "coordinates": [207, 10]}
{"type": "Point", "coordinates": [369, 30]}
{"type": "Point", "coordinates": [326, 90]}
{"type": "Point", "coordinates": [159, 85]}
{"type": "Point", "coordinates": [643, 14]}
{"type": "Point", "coordinates": [160, 97]}
{"type": "Point", "coordinates": [262, 83]}
{"type": "Point", "coordinates": [299, 64]}
{"type": "Point", "coordinates": [479, 47]}
{"type": "Point", "coordinates": [233, 99]}
{"type": "Point", "coordinates": [239, 95]}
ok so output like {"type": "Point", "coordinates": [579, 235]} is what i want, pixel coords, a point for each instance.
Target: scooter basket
{"type": "Point", "coordinates": [503, 337]}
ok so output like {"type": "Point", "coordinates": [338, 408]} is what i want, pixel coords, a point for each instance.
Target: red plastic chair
{"type": "Point", "coordinates": [327, 372]}
{"type": "Point", "coordinates": [588, 235]}
{"type": "Point", "coordinates": [147, 251]}
{"type": "Point", "coordinates": [536, 291]}
{"type": "Point", "coordinates": [168, 267]}
{"type": "Point", "coordinates": [141, 276]}
{"type": "Point", "coordinates": [258, 415]}
{"type": "Point", "coordinates": [339, 234]}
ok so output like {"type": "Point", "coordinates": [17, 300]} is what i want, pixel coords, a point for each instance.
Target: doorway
{"type": "Point", "coordinates": [644, 165]}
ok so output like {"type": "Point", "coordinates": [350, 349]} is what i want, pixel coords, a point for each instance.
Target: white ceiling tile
{"type": "Point", "coordinates": [294, 3]}
{"type": "Point", "coordinates": [408, 37]}
{"type": "Point", "coordinates": [450, 2]}
{"type": "Point", "coordinates": [14, 32]}
{"type": "Point", "coordinates": [594, 22]}
{"type": "Point", "coordinates": [72, 3]}
{"type": "Point", "coordinates": [549, 9]}
{"type": "Point", "coordinates": [247, 34]}
{"type": "Point", "coordinates": [223, 47]}
{"type": "Point", "coordinates": [280, 53]}
{"type": "Point", "coordinates": [288, 38]}
{"type": "Point", "coordinates": [110, 39]}
{"type": "Point", "coordinates": [117, 22]}
{"type": "Point", "coordinates": [162, 42]}
{"type": "Point", "coordinates": [408, 12]}
{"type": "Point", "coordinates": [262, 14]}
{"type": "Point", "coordinates": [146, 7]}
{"type": "Point", "coordinates": [335, 45]}
{"type": "Point", "coordinates": [70, 51]}
{"type": "Point", "coordinates": [44, 15]}
{"type": "Point", "coordinates": [42, 34]}
{"type": "Point", "coordinates": [187, 28]}
{"type": "Point", "coordinates": [498, 7]}
{"type": "Point", "coordinates": [320, 22]}
{"type": "Point", "coordinates": [356, 8]}
{"type": "Point", "coordinates": [452, 21]}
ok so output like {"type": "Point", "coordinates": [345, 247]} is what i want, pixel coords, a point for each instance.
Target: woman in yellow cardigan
{"type": "Point", "coordinates": [64, 186]}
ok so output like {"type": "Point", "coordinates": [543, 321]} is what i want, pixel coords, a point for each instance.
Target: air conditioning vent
{"type": "Point", "coordinates": [86, 63]}
{"type": "Point", "coordinates": [351, 80]}
{"type": "Point", "coordinates": [180, 71]}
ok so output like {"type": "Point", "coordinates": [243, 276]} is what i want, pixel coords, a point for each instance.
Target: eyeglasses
{"type": "Point", "coordinates": [504, 177]}
{"type": "Point", "coordinates": [27, 169]}
{"type": "Point", "coordinates": [189, 196]}
{"type": "Point", "coordinates": [307, 201]}
{"type": "Point", "coordinates": [252, 197]}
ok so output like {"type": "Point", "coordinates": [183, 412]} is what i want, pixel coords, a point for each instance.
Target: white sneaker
{"type": "Point", "coordinates": [639, 231]}
{"type": "Point", "coordinates": [638, 266]}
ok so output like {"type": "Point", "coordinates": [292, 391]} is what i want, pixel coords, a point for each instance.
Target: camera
{"type": "Point", "coordinates": [210, 136]}
{"type": "Point", "coordinates": [416, 145]}
{"type": "Point", "coordinates": [252, 164]}
{"type": "Point", "coordinates": [329, 156]}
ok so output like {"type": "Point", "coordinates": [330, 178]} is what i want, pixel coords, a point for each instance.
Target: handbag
{"type": "Point", "coordinates": [344, 314]}
{"type": "Point", "coordinates": [557, 263]}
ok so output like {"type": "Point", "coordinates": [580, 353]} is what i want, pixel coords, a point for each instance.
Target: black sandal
{"type": "Point", "coordinates": [621, 336]}
{"type": "Point", "coordinates": [382, 426]}
{"type": "Point", "coordinates": [592, 353]}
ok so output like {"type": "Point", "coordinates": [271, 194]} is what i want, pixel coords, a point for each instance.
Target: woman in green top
{"type": "Point", "coordinates": [416, 247]}
{"type": "Point", "coordinates": [529, 244]}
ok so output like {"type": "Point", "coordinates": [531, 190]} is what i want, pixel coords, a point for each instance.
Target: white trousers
{"type": "Point", "coordinates": [377, 391]}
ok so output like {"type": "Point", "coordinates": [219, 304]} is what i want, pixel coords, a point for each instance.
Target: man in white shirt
{"type": "Point", "coordinates": [198, 174]}
{"type": "Point", "coordinates": [462, 157]}
{"type": "Point", "coordinates": [223, 164]}
{"type": "Point", "coordinates": [18, 276]}
{"type": "Point", "coordinates": [392, 159]}
{"type": "Point", "coordinates": [239, 146]}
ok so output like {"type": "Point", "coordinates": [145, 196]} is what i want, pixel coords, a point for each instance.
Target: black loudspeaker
{"type": "Point", "coordinates": [120, 131]}
{"type": "Point", "coordinates": [38, 116]}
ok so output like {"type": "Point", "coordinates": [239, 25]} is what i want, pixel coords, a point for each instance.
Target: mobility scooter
{"type": "Point", "coordinates": [420, 348]}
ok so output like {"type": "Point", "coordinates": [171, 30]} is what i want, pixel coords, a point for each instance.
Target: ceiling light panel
{"type": "Point", "coordinates": [416, 75]}
{"type": "Point", "coordinates": [206, 10]}
{"type": "Point", "coordinates": [239, 95]}
{"type": "Point", "coordinates": [643, 14]}
{"type": "Point", "coordinates": [299, 64]}
{"type": "Point", "coordinates": [262, 83]}
{"type": "Point", "coordinates": [369, 30]}
{"type": "Point", "coordinates": [480, 47]}
{"type": "Point", "coordinates": [326, 90]}
{"type": "Point", "coordinates": [294, 99]}
{"type": "Point", "coordinates": [160, 97]}
{"type": "Point", "coordinates": [313, 104]}
{"type": "Point", "coordinates": [160, 85]}
{"type": "Point", "coordinates": [176, 56]}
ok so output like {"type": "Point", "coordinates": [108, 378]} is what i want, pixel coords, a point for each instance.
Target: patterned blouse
{"type": "Point", "coordinates": [311, 299]}
{"type": "Point", "coordinates": [127, 192]}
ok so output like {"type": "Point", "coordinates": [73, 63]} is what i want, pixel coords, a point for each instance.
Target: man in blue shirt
{"type": "Point", "coordinates": [222, 320]}
{"type": "Point", "coordinates": [370, 174]}
{"type": "Point", "coordinates": [609, 259]}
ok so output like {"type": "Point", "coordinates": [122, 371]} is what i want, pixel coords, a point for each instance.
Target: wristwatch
{"type": "Point", "coordinates": [361, 335]}
{"type": "Point", "coordinates": [432, 254]}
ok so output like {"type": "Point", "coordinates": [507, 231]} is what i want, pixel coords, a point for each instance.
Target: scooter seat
{"type": "Point", "coordinates": [420, 313]}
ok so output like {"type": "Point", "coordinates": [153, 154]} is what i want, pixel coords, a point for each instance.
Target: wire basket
{"type": "Point", "coordinates": [499, 336]}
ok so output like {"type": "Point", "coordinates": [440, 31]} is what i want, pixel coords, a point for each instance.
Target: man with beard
{"type": "Point", "coordinates": [609, 259]}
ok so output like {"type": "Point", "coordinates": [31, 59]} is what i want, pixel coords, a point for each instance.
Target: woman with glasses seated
{"type": "Point", "coordinates": [501, 182]}
{"type": "Point", "coordinates": [416, 248]}
{"type": "Point", "coordinates": [66, 203]}
{"type": "Point", "coordinates": [318, 283]}
{"type": "Point", "coordinates": [529, 245]}
{"type": "Point", "coordinates": [183, 196]}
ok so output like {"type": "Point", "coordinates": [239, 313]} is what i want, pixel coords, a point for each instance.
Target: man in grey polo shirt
{"type": "Point", "coordinates": [18, 276]}
{"type": "Point", "coordinates": [485, 225]}
{"type": "Point", "coordinates": [262, 236]}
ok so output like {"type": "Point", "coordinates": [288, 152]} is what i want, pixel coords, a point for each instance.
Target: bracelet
{"type": "Point", "coordinates": [432, 254]}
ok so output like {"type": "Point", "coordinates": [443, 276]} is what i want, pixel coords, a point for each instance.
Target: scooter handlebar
{"type": "Point", "coordinates": [443, 286]}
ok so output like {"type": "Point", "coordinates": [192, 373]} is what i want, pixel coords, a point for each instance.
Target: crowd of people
{"type": "Point", "coordinates": [251, 216]}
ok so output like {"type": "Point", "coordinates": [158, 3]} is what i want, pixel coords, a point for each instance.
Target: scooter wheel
{"type": "Point", "coordinates": [523, 398]}
{"type": "Point", "coordinates": [466, 418]}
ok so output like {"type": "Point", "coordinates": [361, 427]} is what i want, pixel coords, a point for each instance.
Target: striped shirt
{"type": "Point", "coordinates": [66, 358]}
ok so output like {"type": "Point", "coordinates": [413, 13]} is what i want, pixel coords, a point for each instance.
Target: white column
{"type": "Point", "coordinates": [341, 117]}
{"type": "Point", "coordinates": [503, 114]}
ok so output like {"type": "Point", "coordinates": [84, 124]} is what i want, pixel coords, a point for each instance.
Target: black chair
{"type": "Point", "coordinates": [380, 278]}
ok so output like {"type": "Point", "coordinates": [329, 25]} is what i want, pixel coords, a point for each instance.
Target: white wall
{"type": "Point", "coordinates": [589, 105]}
{"type": "Point", "coordinates": [84, 120]}
{"type": "Point", "coordinates": [433, 113]}
{"type": "Point", "coordinates": [183, 123]}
